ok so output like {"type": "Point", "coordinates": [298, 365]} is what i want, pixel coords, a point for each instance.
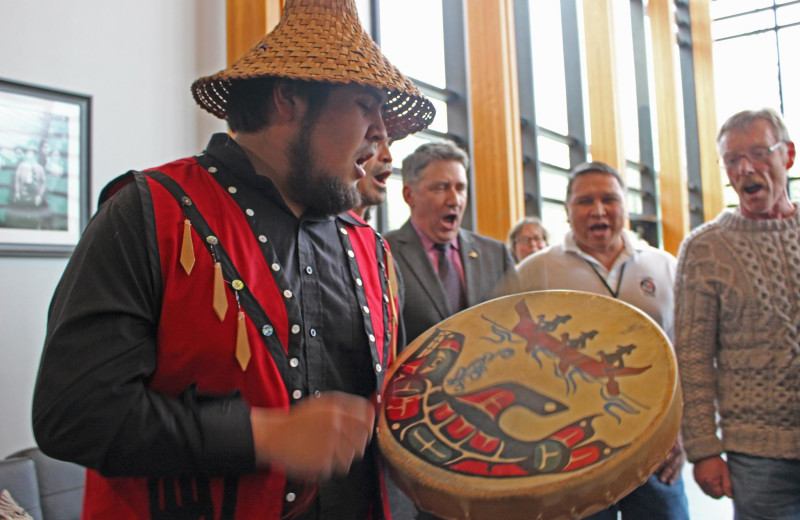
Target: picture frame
{"type": "Point", "coordinates": [44, 169]}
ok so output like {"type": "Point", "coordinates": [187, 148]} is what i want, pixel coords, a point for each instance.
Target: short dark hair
{"type": "Point", "coordinates": [429, 152]}
{"type": "Point", "coordinates": [592, 167]}
{"type": "Point", "coordinates": [250, 101]}
{"type": "Point", "coordinates": [745, 118]}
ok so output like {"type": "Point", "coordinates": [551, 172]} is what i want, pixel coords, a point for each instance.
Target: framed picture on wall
{"type": "Point", "coordinates": [44, 169]}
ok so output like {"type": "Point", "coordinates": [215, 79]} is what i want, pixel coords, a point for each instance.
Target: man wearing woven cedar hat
{"type": "Point", "coordinates": [218, 340]}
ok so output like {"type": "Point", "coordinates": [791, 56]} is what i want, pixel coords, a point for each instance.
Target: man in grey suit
{"type": "Point", "coordinates": [435, 188]}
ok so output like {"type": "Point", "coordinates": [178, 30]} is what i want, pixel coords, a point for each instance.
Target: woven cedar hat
{"type": "Point", "coordinates": [322, 40]}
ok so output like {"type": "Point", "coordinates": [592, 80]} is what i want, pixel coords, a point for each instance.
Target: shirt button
{"type": "Point", "coordinates": [350, 253]}
{"type": "Point", "coordinates": [287, 293]}
{"type": "Point", "coordinates": [386, 298]}
{"type": "Point", "coordinates": [313, 332]}
{"type": "Point", "coordinates": [290, 497]}
{"type": "Point", "coordinates": [249, 212]}
{"type": "Point", "coordinates": [276, 266]}
{"type": "Point", "coordinates": [359, 282]}
{"type": "Point", "coordinates": [378, 368]}
{"type": "Point", "coordinates": [309, 270]}
{"type": "Point", "coordinates": [372, 338]}
{"type": "Point", "coordinates": [365, 309]}
{"type": "Point", "coordinates": [212, 169]}
{"type": "Point", "coordinates": [342, 231]}
{"type": "Point", "coordinates": [297, 394]}
{"type": "Point", "coordinates": [294, 362]}
{"type": "Point", "coordinates": [267, 330]}
{"type": "Point", "coordinates": [378, 398]}
{"type": "Point", "coordinates": [262, 238]}
{"type": "Point", "coordinates": [232, 189]}
{"type": "Point", "coordinates": [295, 328]}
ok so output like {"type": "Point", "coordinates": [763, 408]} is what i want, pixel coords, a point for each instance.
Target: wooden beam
{"type": "Point", "coordinates": [713, 180]}
{"type": "Point", "coordinates": [672, 175]}
{"type": "Point", "coordinates": [247, 22]}
{"type": "Point", "coordinates": [494, 101]}
{"type": "Point", "coordinates": [602, 84]}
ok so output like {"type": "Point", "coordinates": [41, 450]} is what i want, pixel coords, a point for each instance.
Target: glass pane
{"type": "Point", "coordinates": [635, 204]}
{"type": "Point", "coordinates": [421, 54]}
{"type": "Point", "coordinates": [729, 196]}
{"type": "Point", "coordinates": [626, 80]}
{"type": "Point", "coordinates": [549, 86]}
{"type": "Point", "coordinates": [365, 15]}
{"type": "Point", "coordinates": [397, 211]}
{"type": "Point", "coordinates": [553, 152]}
{"type": "Point", "coordinates": [789, 14]}
{"type": "Point", "coordinates": [794, 189]}
{"type": "Point", "coordinates": [553, 184]}
{"type": "Point", "coordinates": [790, 78]}
{"type": "Point", "coordinates": [720, 8]}
{"type": "Point", "coordinates": [633, 178]}
{"type": "Point", "coordinates": [440, 121]}
{"type": "Point", "coordinates": [757, 86]}
{"type": "Point", "coordinates": [742, 24]}
{"type": "Point", "coordinates": [554, 218]}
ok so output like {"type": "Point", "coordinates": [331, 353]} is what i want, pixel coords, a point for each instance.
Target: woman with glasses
{"type": "Point", "coordinates": [526, 237]}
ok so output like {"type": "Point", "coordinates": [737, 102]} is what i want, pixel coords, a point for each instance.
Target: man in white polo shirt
{"type": "Point", "coordinates": [599, 255]}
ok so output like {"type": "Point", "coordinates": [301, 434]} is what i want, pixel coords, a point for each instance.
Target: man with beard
{"type": "Point", "coordinates": [217, 344]}
{"type": "Point", "coordinates": [738, 309]}
{"type": "Point", "coordinates": [599, 255]}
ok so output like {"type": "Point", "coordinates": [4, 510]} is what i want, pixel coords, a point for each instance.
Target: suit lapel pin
{"type": "Point", "coordinates": [473, 254]}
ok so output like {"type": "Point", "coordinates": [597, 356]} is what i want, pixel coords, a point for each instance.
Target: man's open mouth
{"type": "Point", "coordinates": [752, 188]}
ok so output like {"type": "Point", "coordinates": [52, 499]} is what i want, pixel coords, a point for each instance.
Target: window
{"type": "Point", "coordinates": [754, 43]}
{"type": "Point", "coordinates": [437, 64]}
{"type": "Point", "coordinates": [552, 90]}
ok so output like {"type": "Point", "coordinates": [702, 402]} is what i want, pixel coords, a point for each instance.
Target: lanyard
{"type": "Point", "coordinates": [614, 293]}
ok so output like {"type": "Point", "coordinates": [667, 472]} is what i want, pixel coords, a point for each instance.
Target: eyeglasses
{"type": "Point", "coordinates": [756, 155]}
{"type": "Point", "coordinates": [528, 240]}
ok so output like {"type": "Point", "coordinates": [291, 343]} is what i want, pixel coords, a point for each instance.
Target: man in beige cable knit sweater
{"type": "Point", "coordinates": [738, 328]}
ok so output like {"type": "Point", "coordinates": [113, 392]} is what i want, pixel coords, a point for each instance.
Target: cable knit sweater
{"type": "Point", "coordinates": [737, 328]}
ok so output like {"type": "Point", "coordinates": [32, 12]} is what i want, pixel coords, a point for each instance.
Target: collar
{"type": "Point", "coordinates": [631, 244]}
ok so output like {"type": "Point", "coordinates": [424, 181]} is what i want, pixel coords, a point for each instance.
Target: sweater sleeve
{"type": "Point", "coordinates": [92, 404]}
{"type": "Point", "coordinates": [696, 346]}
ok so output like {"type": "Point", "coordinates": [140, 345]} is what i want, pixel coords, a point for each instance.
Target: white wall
{"type": "Point", "coordinates": [137, 61]}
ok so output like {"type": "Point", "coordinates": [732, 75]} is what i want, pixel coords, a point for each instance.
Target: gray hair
{"type": "Point", "coordinates": [593, 167]}
{"type": "Point", "coordinates": [742, 120]}
{"type": "Point", "coordinates": [429, 152]}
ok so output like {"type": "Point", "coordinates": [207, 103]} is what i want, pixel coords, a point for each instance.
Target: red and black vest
{"type": "Point", "coordinates": [196, 348]}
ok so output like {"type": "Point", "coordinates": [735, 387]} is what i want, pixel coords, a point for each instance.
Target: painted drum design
{"type": "Point", "coordinates": [548, 405]}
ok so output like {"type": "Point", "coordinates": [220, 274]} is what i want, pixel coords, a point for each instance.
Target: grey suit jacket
{"type": "Point", "coordinates": [488, 272]}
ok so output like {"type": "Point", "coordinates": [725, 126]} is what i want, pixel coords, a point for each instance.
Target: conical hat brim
{"type": "Point", "coordinates": [322, 40]}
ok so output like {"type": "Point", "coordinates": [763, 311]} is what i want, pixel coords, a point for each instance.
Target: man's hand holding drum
{"type": "Point", "coordinates": [316, 438]}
